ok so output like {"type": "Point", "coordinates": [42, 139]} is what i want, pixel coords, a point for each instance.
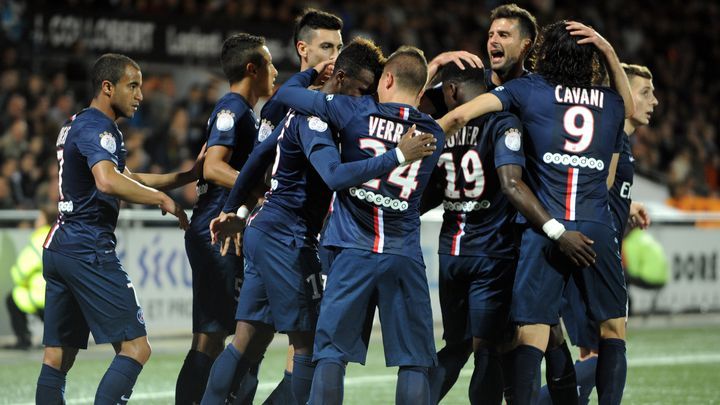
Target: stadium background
{"type": "Point", "coordinates": [47, 48]}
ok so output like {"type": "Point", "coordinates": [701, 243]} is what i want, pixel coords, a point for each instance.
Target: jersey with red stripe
{"type": "Point", "coordinates": [383, 214]}
{"type": "Point", "coordinates": [478, 218]}
{"type": "Point", "coordinates": [87, 217]}
{"type": "Point", "coordinates": [571, 135]}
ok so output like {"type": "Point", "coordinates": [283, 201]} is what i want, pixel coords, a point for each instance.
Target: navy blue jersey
{"type": "Point", "coordinates": [478, 218]}
{"type": "Point", "coordinates": [232, 124]}
{"type": "Point", "coordinates": [307, 162]}
{"type": "Point", "coordinates": [383, 214]}
{"type": "Point", "coordinates": [270, 116]}
{"type": "Point", "coordinates": [87, 217]}
{"type": "Point", "coordinates": [620, 196]}
{"type": "Point", "coordinates": [571, 135]}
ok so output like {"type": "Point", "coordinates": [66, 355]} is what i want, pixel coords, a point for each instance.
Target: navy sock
{"type": "Point", "coordinates": [611, 371]}
{"type": "Point", "coordinates": [118, 381]}
{"type": "Point", "coordinates": [50, 386]}
{"type": "Point", "coordinates": [193, 378]}
{"type": "Point", "coordinates": [282, 394]}
{"type": "Point", "coordinates": [482, 357]}
{"type": "Point", "coordinates": [525, 372]}
{"type": "Point", "coordinates": [244, 385]}
{"type": "Point", "coordinates": [560, 376]}
{"type": "Point", "coordinates": [327, 385]}
{"type": "Point", "coordinates": [222, 374]}
{"type": "Point", "coordinates": [412, 386]}
{"type": "Point", "coordinates": [507, 363]}
{"type": "Point", "coordinates": [451, 359]}
{"type": "Point", "coordinates": [585, 372]}
{"type": "Point", "coordinates": [491, 387]}
{"type": "Point", "coordinates": [302, 377]}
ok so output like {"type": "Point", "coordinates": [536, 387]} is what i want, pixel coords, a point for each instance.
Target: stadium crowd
{"type": "Point", "coordinates": [680, 148]}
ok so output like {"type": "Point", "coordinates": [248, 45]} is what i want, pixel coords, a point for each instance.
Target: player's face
{"type": "Point", "coordinates": [643, 94]}
{"type": "Point", "coordinates": [505, 45]}
{"type": "Point", "coordinates": [266, 74]}
{"type": "Point", "coordinates": [361, 85]}
{"type": "Point", "coordinates": [324, 45]}
{"type": "Point", "coordinates": [126, 94]}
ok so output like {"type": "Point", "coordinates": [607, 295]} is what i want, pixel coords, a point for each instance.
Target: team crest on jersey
{"type": "Point", "coordinates": [329, 97]}
{"type": "Point", "coordinates": [316, 124]}
{"type": "Point", "coordinates": [513, 139]}
{"type": "Point", "coordinates": [225, 120]}
{"type": "Point", "coordinates": [107, 141]}
{"type": "Point", "coordinates": [266, 128]}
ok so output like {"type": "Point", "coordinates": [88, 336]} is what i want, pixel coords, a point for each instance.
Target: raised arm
{"type": "Point", "coordinates": [480, 105]}
{"type": "Point", "coordinates": [618, 79]}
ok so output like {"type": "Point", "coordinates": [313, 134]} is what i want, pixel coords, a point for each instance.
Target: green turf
{"type": "Point", "coordinates": [676, 366]}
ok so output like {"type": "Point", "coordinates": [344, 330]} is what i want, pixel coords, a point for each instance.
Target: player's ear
{"type": "Point", "coordinates": [387, 79]}
{"type": "Point", "coordinates": [526, 44]}
{"type": "Point", "coordinates": [251, 69]}
{"type": "Point", "coordinates": [106, 88]}
{"type": "Point", "coordinates": [301, 48]}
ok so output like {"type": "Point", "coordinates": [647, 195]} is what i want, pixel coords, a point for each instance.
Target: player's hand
{"type": "Point", "coordinates": [325, 70]}
{"type": "Point", "coordinates": [456, 57]}
{"type": "Point", "coordinates": [169, 205]}
{"type": "Point", "coordinates": [590, 36]}
{"type": "Point", "coordinates": [577, 247]}
{"type": "Point", "coordinates": [415, 147]}
{"type": "Point", "coordinates": [227, 229]}
{"type": "Point", "coordinates": [639, 217]}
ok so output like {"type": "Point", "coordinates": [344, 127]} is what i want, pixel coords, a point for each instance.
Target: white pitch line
{"type": "Point", "coordinates": [699, 358]}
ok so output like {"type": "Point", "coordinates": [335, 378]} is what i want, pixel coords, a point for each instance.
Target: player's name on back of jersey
{"type": "Point", "coordinates": [467, 135]}
{"type": "Point", "coordinates": [579, 95]}
{"type": "Point", "coordinates": [386, 129]}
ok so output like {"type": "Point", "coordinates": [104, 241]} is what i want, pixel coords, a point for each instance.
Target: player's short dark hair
{"type": "Point", "coordinates": [637, 70]}
{"type": "Point", "coordinates": [410, 68]}
{"type": "Point", "coordinates": [313, 19]}
{"type": "Point", "coordinates": [561, 60]}
{"type": "Point", "coordinates": [361, 54]}
{"type": "Point", "coordinates": [528, 24]}
{"type": "Point", "coordinates": [451, 73]}
{"type": "Point", "coordinates": [110, 67]}
{"type": "Point", "coordinates": [239, 50]}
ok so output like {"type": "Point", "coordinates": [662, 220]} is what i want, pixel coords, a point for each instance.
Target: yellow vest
{"type": "Point", "coordinates": [29, 290]}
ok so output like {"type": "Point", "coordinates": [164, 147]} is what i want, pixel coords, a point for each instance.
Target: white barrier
{"type": "Point", "coordinates": [155, 259]}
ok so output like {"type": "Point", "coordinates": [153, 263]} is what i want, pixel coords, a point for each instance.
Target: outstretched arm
{"type": "Point", "coordinates": [618, 79]}
{"type": "Point", "coordinates": [480, 105]}
{"type": "Point", "coordinates": [169, 181]}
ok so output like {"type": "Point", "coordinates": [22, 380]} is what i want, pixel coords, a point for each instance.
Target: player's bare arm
{"type": "Point", "coordinates": [573, 244]}
{"type": "Point", "coordinates": [110, 181]}
{"type": "Point", "coordinates": [454, 120]}
{"type": "Point", "coordinates": [227, 229]}
{"type": "Point", "coordinates": [216, 168]}
{"type": "Point", "coordinates": [618, 79]}
{"type": "Point", "coordinates": [612, 170]}
{"type": "Point", "coordinates": [169, 181]}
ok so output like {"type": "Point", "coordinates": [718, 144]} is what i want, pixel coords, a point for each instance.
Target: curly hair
{"type": "Point", "coordinates": [560, 60]}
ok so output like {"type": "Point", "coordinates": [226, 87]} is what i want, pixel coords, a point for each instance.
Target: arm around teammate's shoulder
{"type": "Point", "coordinates": [458, 117]}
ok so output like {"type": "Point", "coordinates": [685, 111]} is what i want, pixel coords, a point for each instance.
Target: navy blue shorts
{"type": "Point", "coordinates": [543, 271]}
{"type": "Point", "coordinates": [399, 287]}
{"type": "Point", "coordinates": [282, 286]}
{"type": "Point", "coordinates": [216, 282]}
{"type": "Point", "coordinates": [475, 296]}
{"type": "Point", "coordinates": [582, 331]}
{"type": "Point", "coordinates": [84, 297]}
